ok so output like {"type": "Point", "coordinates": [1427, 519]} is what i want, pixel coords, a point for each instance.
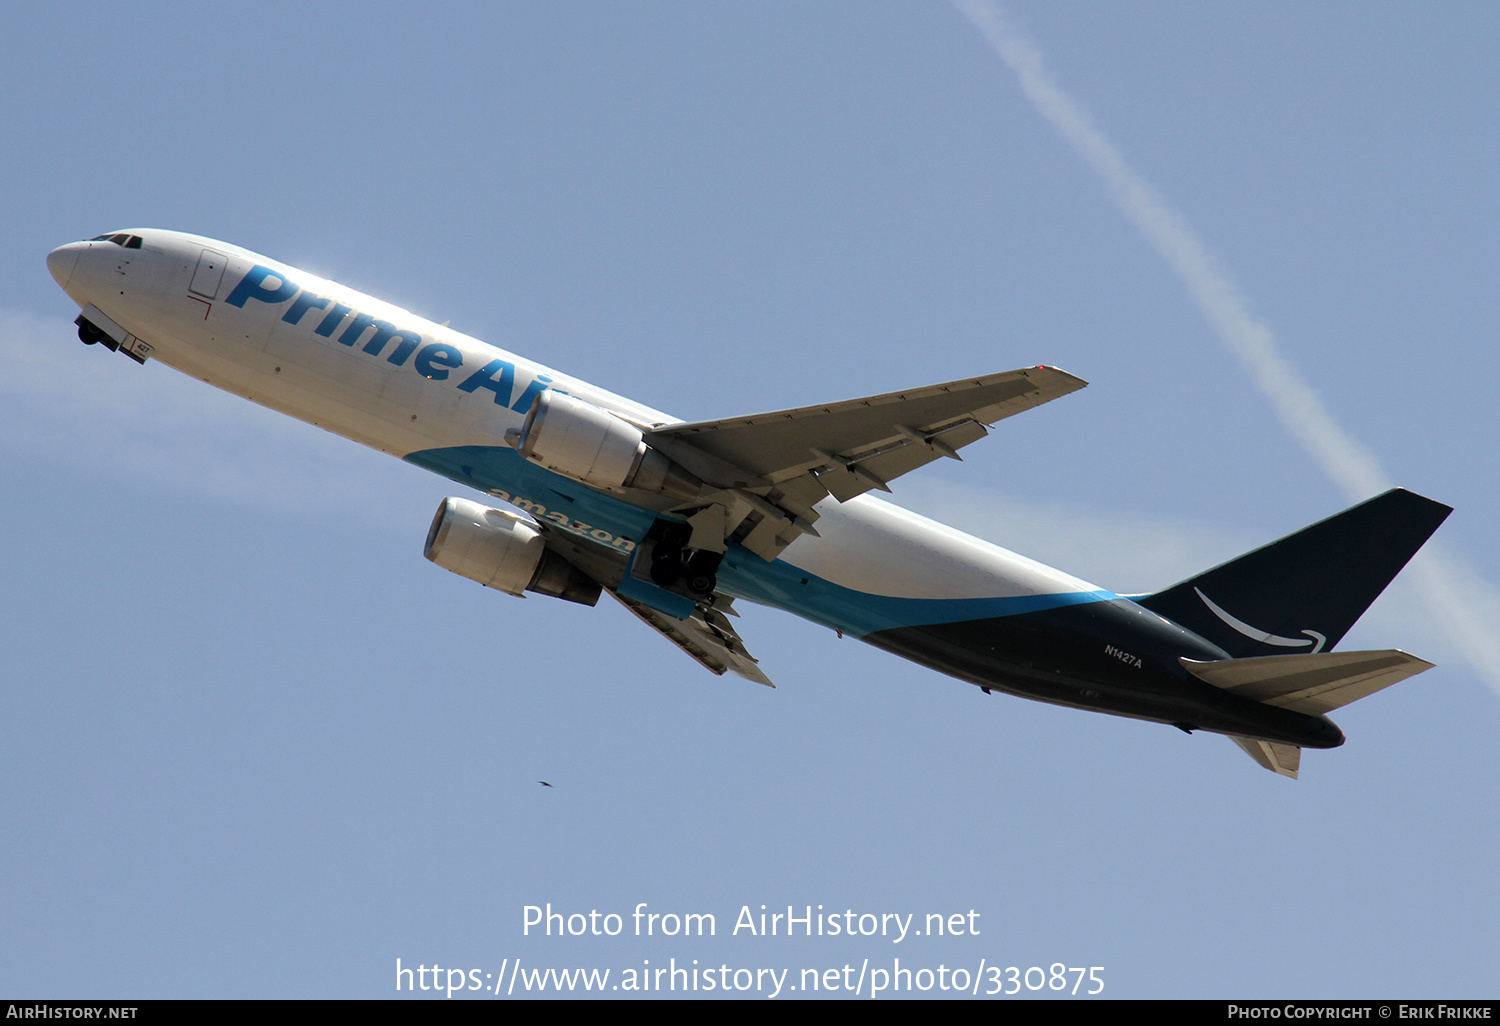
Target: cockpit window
{"type": "Point", "coordinates": [120, 239]}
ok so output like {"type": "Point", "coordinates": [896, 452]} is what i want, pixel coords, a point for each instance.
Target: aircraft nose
{"type": "Point", "coordinates": [61, 262]}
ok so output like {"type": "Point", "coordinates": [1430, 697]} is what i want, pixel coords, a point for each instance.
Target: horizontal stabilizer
{"type": "Point", "coordinates": [1273, 755]}
{"type": "Point", "coordinates": [1312, 683]}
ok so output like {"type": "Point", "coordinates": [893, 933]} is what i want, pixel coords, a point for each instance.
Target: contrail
{"type": "Point", "coordinates": [1454, 592]}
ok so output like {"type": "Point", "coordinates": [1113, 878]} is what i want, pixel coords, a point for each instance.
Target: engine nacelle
{"type": "Point", "coordinates": [504, 551]}
{"type": "Point", "coordinates": [586, 443]}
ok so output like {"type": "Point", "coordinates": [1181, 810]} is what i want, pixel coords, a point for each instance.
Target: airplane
{"type": "Point", "coordinates": [587, 492]}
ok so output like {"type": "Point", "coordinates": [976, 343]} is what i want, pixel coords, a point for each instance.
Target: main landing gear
{"type": "Point", "coordinates": [673, 561]}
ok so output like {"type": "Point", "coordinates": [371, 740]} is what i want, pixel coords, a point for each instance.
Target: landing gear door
{"type": "Point", "coordinates": [208, 275]}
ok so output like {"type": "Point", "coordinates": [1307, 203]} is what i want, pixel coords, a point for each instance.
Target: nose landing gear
{"type": "Point", "coordinates": [115, 338]}
{"type": "Point", "coordinates": [89, 333]}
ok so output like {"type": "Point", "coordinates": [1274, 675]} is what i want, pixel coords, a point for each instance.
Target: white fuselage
{"type": "Point", "coordinates": [377, 374]}
{"type": "Point", "coordinates": [383, 377]}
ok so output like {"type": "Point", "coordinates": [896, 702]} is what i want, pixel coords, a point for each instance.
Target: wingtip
{"type": "Point", "coordinates": [1074, 379]}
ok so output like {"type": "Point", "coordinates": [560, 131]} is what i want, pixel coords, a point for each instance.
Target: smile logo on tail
{"type": "Point", "coordinates": [1265, 637]}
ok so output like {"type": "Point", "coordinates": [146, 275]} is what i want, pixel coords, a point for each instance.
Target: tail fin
{"type": "Point", "coordinates": [1304, 592]}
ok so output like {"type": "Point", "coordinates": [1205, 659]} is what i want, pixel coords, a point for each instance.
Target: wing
{"type": "Point", "coordinates": [845, 449]}
{"type": "Point", "coordinates": [707, 636]}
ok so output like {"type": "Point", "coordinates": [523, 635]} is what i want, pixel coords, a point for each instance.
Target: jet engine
{"type": "Point", "coordinates": [586, 443]}
{"type": "Point", "coordinates": [504, 551]}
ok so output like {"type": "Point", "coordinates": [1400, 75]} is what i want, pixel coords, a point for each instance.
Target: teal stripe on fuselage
{"type": "Point", "coordinates": [552, 499]}
{"type": "Point", "coordinates": [857, 613]}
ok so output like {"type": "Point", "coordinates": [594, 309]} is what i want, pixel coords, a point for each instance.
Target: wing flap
{"type": "Point", "coordinates": [707, 636]}
{"type": "Point", "coordinates": [889, 458]}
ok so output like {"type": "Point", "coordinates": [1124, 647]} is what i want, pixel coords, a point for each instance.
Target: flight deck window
{"type": "Point", "coordinates": [120, 239]}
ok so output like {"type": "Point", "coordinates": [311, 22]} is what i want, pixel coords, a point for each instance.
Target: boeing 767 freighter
{"type": "Point", "coordinates": [678, 520]}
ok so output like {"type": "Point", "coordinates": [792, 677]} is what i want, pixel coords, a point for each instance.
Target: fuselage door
{"type": "Point", "coordinates": [208, 275]}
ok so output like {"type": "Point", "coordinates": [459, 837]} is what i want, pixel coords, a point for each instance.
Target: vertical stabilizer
{"type": "Point", "coordinates": [1302, 594]}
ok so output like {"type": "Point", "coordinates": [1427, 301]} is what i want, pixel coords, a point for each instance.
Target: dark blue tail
{"type": "Point", "coordinates": [1304, 592]}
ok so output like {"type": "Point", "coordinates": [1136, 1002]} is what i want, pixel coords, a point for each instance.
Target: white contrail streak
{"type": "Point", "coordinates": [1454, 592]}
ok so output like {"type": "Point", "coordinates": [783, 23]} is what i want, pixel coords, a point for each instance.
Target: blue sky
{"type": "Point", "coordinates": [255, 745]}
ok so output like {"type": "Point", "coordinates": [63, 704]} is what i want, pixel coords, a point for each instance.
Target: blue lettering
{"type": "Point", "coordinates": [252, 286]}
{"type": "Point", "coordinates": [485, 378]}
{"type": "Point", "coordinates": [333, 320]}
{"type": "Point", "coordinates": [536, 388]}
{"type": "Point", "coordinates": [305, 301]}
{"type": "Point", "coordinates": [357, 328]}
{"type": "Point", "coordinates": [434, 361]}
{"type": "Point", "coordinates": [384, 332]}
{"type": "Point", "coordinates": [408, 344]}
